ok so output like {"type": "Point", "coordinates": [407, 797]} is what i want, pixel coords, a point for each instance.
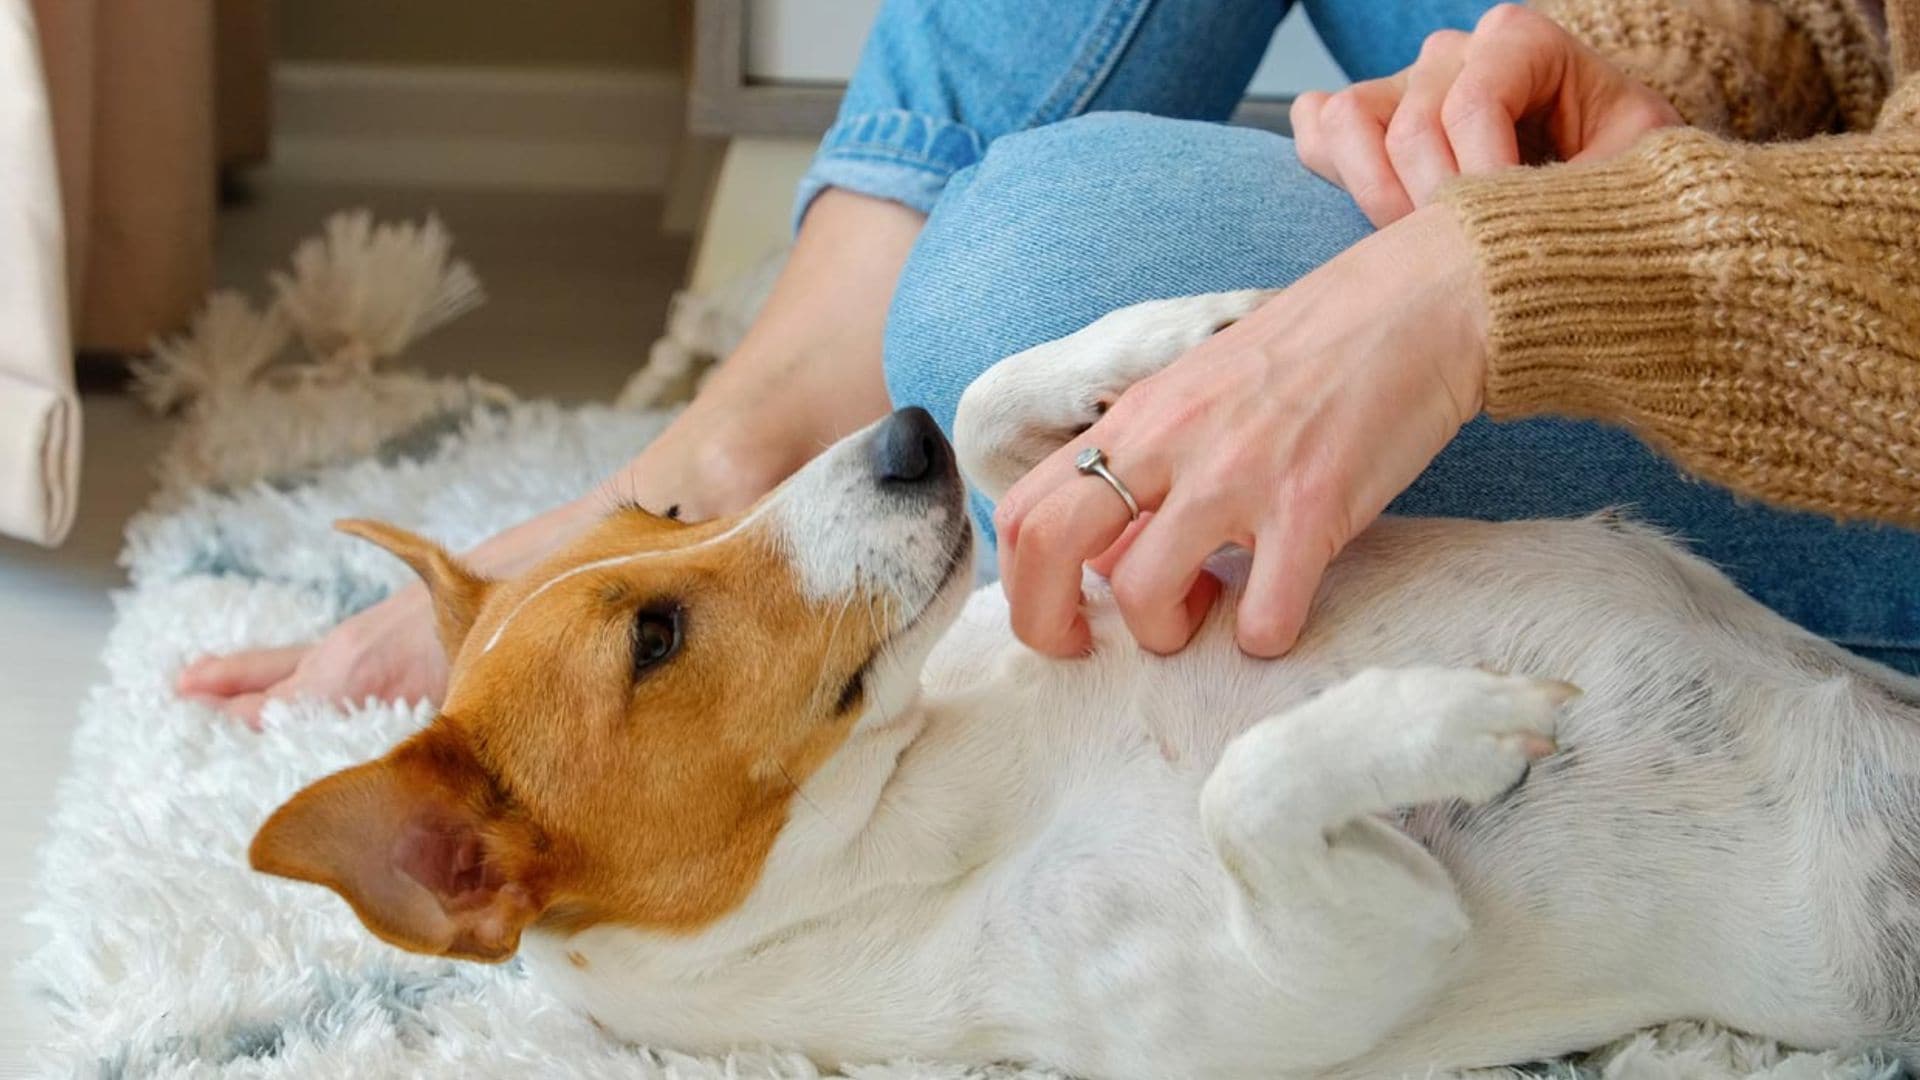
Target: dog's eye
{"type": "Point", "coordinates": [656, 636]}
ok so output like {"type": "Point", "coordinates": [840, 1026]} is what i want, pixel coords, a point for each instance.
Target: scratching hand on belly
{"type": "Point", "coordinates": [1286, 433]}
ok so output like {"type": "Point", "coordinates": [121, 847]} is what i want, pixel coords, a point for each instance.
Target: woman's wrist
{"type": "Point", "coordinates": [1438, 241]}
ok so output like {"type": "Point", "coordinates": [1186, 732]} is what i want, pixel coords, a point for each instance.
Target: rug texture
{"type": "Point", "coordinates": [166, 955]}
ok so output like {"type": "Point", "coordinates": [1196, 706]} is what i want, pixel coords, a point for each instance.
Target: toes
{"type": "Point", "coordinates": [1494, 726]}
{"type": "Point", "coordinates": [1517, 704]}
{"type": "Point", "coordinates": [1530, 746]}
{"type": "Point", "coordinates": [1543, 700]}
{"type": "Point", "coordinates": [1558, 691]}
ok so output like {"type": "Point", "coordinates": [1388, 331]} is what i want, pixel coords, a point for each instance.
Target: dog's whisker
{"type": "Point", "coordinates": [801, 794]}
{"type": "Point", "coordinates": [885, 655]}
{"type": "Point", "coordinates": [833, 640]}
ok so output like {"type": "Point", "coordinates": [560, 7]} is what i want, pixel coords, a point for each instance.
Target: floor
{"type": "Point", "coordinates": [577, 285]}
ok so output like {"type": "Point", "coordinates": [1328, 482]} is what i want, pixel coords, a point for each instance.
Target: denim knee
{"type": "Point", "coordinates": [1061, 224]}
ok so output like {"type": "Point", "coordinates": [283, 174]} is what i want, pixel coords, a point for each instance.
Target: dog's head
{"type": "Point", "coordinates": [626, 723]}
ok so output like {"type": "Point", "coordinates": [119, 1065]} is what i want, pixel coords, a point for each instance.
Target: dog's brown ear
{"type": "Point", "coordinates": [416, 843]}
{"type": "Point", "coordinates": [457, 591]}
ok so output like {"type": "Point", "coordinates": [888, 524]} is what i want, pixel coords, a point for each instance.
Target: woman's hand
{"type": "Point", "coordinates": [807, 372]}
{"type": "Point", "coordinates": [391, 651]}
{"type": "Point", "coordinates": [1286, 433]}
{"type": "Point", "coordinates": [387, 651]}
{"type": "Point", "coordinates": [1518, 88]}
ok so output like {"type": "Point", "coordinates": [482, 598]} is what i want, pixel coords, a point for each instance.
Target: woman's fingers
{"type": "Point", "coordinates": [1353, 133]}
{"type": "Point", "coordinates": [1514, 64]}
{"type": "Point", "coordinates": [1288, 563]}
{"type": "Point", "coordinates": [1041, 556]}
{"type": "Point", "coordinates": [1154, 584]}
{"type": "Point", "coordinates": [1416, 141]}
{"type": "Point", "coordinates": [240, 685]}
{"type": "Point", "coordinates": [239, 673]}
{"type": "Point", "coordinates": [1627, 112]}
{"type": "Point", "coordinates": [246, 708]}
{"type": "Point", "coordinates": [1309, 136]}
{"type": "Point", "coordinates": [388, 651]}
{"type": "Point", "coordinates": [1392, 142]}
{"type": "Point", "coordinates": [1054, 472]}
{"type": "Point", "coordinates": [1104, 563]}
{"type": "Point", "coordinates": [1521, 64]}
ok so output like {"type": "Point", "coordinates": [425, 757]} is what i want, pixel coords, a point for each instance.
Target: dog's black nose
{"type": "Point", "coordinates": [908, 448]}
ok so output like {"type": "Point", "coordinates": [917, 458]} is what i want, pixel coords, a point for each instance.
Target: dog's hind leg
{"type": "Point", "coordinates": [1331, 903]}
{"type": "Point", "coordinates": [1030, 404]}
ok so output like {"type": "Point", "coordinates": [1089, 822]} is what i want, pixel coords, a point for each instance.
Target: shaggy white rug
{"type": "Point", "coordinates": [167, 956]}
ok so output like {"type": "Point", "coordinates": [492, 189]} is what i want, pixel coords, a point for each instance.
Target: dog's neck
{"type": "Point", "coordinates": [908, 802]}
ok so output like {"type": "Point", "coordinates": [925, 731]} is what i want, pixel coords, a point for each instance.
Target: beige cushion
{"type": "Point", "coordinates": [39, 411]}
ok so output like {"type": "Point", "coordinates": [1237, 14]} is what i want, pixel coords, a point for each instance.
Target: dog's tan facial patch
{"type": "Point", "coordinates": [628, 734]}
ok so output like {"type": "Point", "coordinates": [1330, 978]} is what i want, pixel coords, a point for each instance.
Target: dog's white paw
{"type": "Point", "coordinates": [1382, 740]}
{"type": "Point", "coordinates": [1474, 733]}
{"type": "Point", "coordinates": [1034, 402]}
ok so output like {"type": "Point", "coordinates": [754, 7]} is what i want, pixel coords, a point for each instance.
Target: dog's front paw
{"type": "Point", "coordinates": [1034, 402]}
{"type": "Point", "coordinates": [1016, 414]}
{"type": "Point", "coordinates": [1481, 730]}
{"type": "Point", "coordinates": [1391, 738]}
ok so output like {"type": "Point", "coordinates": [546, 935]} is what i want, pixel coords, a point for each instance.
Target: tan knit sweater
{"type": "Point", "coordinates": [1744, 294]}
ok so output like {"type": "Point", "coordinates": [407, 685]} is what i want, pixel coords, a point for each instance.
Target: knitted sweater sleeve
{"type": "Point", "coordinates": [1755, 70]}
{"type": "Point", "coordinates": [1751, 311]}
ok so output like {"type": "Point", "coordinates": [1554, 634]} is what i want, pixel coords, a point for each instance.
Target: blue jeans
{"type": "Point", "coordinates": [1050, 225]}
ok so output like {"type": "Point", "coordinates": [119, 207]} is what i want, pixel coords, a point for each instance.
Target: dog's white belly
{"type": "Point", "coordinates": [1067, 909]}
{"type": "Point", "coordinates": [1632, 880]}
{"type": "Point", "coordinates": [1110, 942]}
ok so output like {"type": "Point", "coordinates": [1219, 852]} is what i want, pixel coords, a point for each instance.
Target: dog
{"type": "Point", "coordinates": [777, 779]}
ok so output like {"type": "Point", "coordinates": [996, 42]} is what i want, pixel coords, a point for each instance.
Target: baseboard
{"type": "Point", "coordinates": [477, 127]}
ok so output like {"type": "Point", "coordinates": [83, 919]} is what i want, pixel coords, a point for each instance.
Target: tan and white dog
{"type": "Point", "coordinates": [776, 779]}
